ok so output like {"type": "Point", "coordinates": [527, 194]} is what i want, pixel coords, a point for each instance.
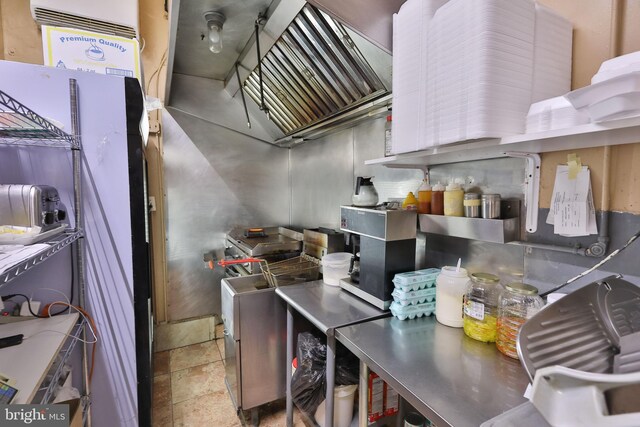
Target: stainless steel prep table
{"type": "Point", "coordinates": [448, 377]}
{"type": "Point", "coordinates": [327, 308]}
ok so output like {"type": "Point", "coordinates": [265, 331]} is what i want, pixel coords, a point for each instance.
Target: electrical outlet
{"type": "Point", "coordinates": [24, 308]}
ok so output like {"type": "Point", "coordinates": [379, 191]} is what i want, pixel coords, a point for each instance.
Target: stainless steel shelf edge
{"type": "Point", "coordinates": [615, 132]}
{"type": "Point", "coordinates": [20, 125]}
{"type": "Point", "coordinates": [57, 245]}
{"type": "Point", "coordinates": [487, 230]}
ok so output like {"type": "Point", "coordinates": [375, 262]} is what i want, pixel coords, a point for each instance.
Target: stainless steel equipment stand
{"type": "Point", "coordinates": [327, 308]}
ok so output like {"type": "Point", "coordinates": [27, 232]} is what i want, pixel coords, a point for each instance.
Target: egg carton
{"type": "Point", "coordinates": [404, 312]}
{"type": "Point", "coordinates": [414, 297]}
{"type": "Point", "coordinates": [427, 276]}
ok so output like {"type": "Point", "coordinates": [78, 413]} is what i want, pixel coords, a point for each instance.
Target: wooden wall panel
{"type": "Point", "coordinates": [154, 34]}
{"type": "Point", "coordinates": [1, 34]}
{"type": "Point", "coordinates": [591, 31]}
{"type": "Point", "coordinates": [631, 27]}
{"type": "Point", "coordinates": [21, 36]}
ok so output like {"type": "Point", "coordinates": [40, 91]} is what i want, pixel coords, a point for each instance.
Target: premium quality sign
{"type": "Point", "coordinates": [89, 51]}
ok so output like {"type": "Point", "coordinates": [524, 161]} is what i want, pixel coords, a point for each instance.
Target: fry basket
{"type": "Point", "coordinates": [303, 268]}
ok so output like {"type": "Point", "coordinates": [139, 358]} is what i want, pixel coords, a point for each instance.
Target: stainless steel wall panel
{"type": "Point", "coordinates": [323, 174]}
{"type": "Point", "coordinates": [391, 184]}
{"type": "Point", "coordinates": [215, 179]}
{"type": "Point", "coordinates": [321, 180]}
{"type": "Point", "coordinates": [505, 261]}
{"type": "Point", "coordinates": [503, 176]}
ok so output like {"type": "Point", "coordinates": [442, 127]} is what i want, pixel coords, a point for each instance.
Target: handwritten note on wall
{"type": "Point", "coordinates": [572, 211]}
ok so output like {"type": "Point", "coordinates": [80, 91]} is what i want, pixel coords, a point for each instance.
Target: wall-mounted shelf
{"type": "Point", "coordinates": [55, 245]}
{"type": "Point", "coordinates": [20, 125]}
{"type": "Point", "coordinates": [615, 132]}
{"type": "Point", "coordinates": [502, 230]}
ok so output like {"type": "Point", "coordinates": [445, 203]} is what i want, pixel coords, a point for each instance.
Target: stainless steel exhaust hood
{"type": "Point", "coordinates": [313, 72]}
{"type": "Point", "coordinates": [317, 74]}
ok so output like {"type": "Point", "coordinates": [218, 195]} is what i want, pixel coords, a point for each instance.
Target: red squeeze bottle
{"type": "Point", "coordinates": [437, 199]}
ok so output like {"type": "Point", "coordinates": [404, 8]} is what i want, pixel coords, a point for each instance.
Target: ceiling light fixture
{"type": "Point", "coordinates": [214, 20]}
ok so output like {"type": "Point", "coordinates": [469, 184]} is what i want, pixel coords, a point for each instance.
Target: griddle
{"type": "Point", "coordinates": [277, 240]}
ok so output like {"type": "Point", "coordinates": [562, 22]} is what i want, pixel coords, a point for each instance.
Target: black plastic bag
{"type": "Point", "coordinates": [308, 384]}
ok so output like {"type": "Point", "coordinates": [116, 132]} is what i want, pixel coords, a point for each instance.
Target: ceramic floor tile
{"type": "Point", "coordinates": [220, 345]}
{"type": "Point", "coordinates": [275, 415]}
{"type": "Point", "coordinates": [213, 320]}
{"type": "Point", "coordinates": [180, 334]}
{"type": "Point", "coordinates": [161, 390]}
{"type": "Point", "coordinates": [193, 355]}
{"type": "Point", "coordinates": [213, 409]}
{"type": "Point", "coordinates": [162, 416]}
{"type": "Point", "coordinates": [197, 381]}
{"type": "Point", "coordinates": [220, 330]}
{"type": "Point", "coordinates": [160, 363]}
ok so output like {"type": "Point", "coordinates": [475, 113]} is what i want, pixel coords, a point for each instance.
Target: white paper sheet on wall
{"type": "Point", "coordinates": [572, 211]}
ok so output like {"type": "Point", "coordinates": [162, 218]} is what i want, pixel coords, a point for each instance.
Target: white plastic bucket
{"type": "Point", "coordinates": [335, 266]}
{"type": "Point", "coordinates": [343, 396]}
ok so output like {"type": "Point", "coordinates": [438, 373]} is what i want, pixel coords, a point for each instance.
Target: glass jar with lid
{"type": "Point", "coordinates": [517, 303]}
{"type": "Point", "coordinates": [480, 307]}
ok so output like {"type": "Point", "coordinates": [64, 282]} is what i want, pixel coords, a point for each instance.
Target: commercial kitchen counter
{"type": "Point", "coordinates": [328, 308]}
{"type": "Point", "coordinates": [448, 377]}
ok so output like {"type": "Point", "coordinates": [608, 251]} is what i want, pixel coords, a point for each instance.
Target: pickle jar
{"type": "Point", "coordinates": [517, 303]}
{"type": "Point", "coordinates": [480, 307]}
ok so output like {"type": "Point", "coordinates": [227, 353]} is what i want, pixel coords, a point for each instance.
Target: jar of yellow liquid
{"type": "Point", "coordinates": [480, 307]}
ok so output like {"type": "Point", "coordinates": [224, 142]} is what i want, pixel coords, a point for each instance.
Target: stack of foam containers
{"type": "Point", "coordinates": [554, 113]}
{"type": "Point", "coordinates": [414, 294]}
{"type": "Point", "coordinates": [486, 62]}
{"type": "Point", "coordinates": [409, 69]}
{"type": "Point", "coordinates": [614, 92]}
{"type": "Point", "coordinates": [618, 66]}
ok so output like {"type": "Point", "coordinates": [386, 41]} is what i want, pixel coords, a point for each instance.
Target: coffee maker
{"type": "Point", "coordinates": [387, 246]}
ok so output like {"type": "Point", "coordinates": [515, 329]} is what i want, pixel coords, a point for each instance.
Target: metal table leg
{"type": "Point", "coordinates": [363, 403]}
{"type": "Point", "coordinates": [288, 367]}
{"type": "Point", "coordinates": [331, 377]}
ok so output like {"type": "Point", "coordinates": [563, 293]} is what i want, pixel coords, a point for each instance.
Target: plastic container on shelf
{"type": "Point", "coordinates": [410, 202]}
{"type": "Point", "coordinates": [451, 285]}
{"type": "Point", "coordinates": [335, 266]}
{"type": "Point", "coordinates": [453, 200]}
{"type": "Point", "coordinates": [413, 297]}
{"type": "Point", "coordinates": [481, 307]}
{"type": "Point", "coordinates": [424, 198]}
{"type": "Point", "coordinates": [343, 397]}
{"type": "Point", "coordinates": [517, 303]}
{"type": "Point", "coordinates": [411, 311]}
{"type": "Point", "coordinates": [437, 199]}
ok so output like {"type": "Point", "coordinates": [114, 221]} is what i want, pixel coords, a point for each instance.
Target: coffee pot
{"type": "Point", "coordinates": [365, 194]}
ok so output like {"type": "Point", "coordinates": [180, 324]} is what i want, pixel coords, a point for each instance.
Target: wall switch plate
{"type": "Point", "coordinates": [152, 204]}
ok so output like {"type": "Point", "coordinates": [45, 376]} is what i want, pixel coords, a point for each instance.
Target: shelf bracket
{"type": "Point", "coordinates": [532, 188]}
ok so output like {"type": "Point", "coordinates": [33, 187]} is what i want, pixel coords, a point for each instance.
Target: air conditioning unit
{"type": "Point", "coordinates": [116, 17]}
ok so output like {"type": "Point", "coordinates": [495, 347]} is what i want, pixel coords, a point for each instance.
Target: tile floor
{"type": "Point", "coordinates": [189, 390]}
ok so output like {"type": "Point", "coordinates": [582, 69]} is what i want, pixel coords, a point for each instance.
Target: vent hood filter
{"type": "Point", "coordinates": [314, 71]}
